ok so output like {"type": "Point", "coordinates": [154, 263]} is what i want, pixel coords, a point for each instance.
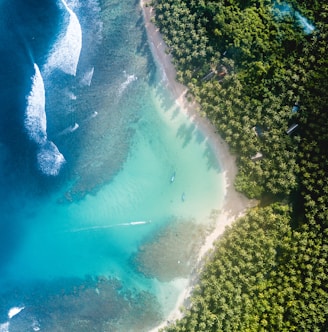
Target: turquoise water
{"type": "Point", "coordinates": [137, 169]}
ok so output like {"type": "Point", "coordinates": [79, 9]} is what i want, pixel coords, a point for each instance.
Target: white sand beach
{"type": "Point", "coordinates": [234, 204]}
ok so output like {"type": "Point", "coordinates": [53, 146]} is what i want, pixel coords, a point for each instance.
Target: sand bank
{"type": "Point", "coordinates": [234, 204]}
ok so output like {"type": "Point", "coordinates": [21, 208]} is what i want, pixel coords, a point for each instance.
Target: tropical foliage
{"type": "Point", "coordinates": [259, 70]}
{"type": "Point", "coordinates": [248, 65]}
{"type": "Point", "coordinates": [263, 276]}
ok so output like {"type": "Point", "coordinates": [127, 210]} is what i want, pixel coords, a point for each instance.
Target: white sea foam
{"type": "Point", "coordinates": [14, 311]}
{"type": "Point", "coordinates": [71, 95]}
{"type": "Point", "coordinates": [98, 227]}
{"type": "Point", "coordinates": [142, 222]}
{"type": "Point", "coordinates": [50, 160]}
{"type": "Point", "coordinates": [93, 115]}
{"type": "Point", "coordinates": [87, 77]}
{"type": "Point", "coordinates": [35, 325]}
{"type": "Point", "coordinates": [74, 127]}
{"type": "Point", "coordinates": [35, 117]}
{"type": "Point", "coordinates": [65, 53]}
{"type": "Point", "coordinates": [127, 82]}
{"type": "Point", "coordinates": [4, 327]}
{"type": "Point", "coordinates": [73, 4]}
{"type": "Point", "coordinates": [69, 129]}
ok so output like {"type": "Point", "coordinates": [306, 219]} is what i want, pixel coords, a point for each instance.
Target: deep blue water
{"type": "Point", "coordinates": [89, 141]}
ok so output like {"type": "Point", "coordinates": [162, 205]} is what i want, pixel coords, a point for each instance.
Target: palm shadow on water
{"type": "Point", "coordinates": [189, 133]}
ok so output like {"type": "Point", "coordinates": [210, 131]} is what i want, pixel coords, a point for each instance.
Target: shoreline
{"type": "Point", "coordinates": [234, 204]}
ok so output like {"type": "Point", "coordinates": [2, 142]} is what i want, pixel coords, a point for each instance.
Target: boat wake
{"type": "Point", "coordinates": [91, 228]}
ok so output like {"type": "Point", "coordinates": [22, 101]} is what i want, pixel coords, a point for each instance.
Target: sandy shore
{"type": "Point", "coordinates": [234, 204]}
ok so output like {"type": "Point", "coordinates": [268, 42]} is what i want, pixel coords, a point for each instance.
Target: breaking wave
{"type": "Point", "coordinates": [49, 158]}
{"type": "Point", "coordinates": [87, 77]}
{"type": "Point", "coordinates": [127, 82]}
{"type": "Point", "coordinates": [14, 311]}
{"type": "Point", "coordinates": [65, 53]}
{"type": "Point", "coordinates": [91, 116]}
{"type": "Point", "coordinates": [35, 116]}
{"type": "Point", "coordinates": [69, 129]}
{"type": "Point", "coordinates": [4, 327]}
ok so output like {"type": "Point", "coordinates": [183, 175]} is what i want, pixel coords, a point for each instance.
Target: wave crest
{"type": "Point", "coordinates": [14, 311]}
{"type": "Point", "coordinates": [65, 53]}
{"type": "Point", "coordinates": [4, 327]}
{"type": "Point", "coordinates": [50, 160]}
{"type": "Point", "coordinates": [35, 117]}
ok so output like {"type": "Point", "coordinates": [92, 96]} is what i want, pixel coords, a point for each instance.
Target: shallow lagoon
{"type": "Point", "coordinates": [140, 180]}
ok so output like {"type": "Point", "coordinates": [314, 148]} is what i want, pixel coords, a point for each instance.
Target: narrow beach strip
{"type": "Point", "coordinates": [234, 204]}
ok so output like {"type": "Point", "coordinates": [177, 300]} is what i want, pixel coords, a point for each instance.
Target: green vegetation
{"type": "Point", "coordinates": [263, 276]}
{"type": "Point", "coordinates": [257, 72]}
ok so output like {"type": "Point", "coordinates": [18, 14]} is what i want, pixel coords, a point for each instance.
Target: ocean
{"type": "Point", "coordinates": [107, 189]}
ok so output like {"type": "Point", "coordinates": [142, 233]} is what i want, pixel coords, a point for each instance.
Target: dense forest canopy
{"type": "Point", "coordinates": [259, 71]}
